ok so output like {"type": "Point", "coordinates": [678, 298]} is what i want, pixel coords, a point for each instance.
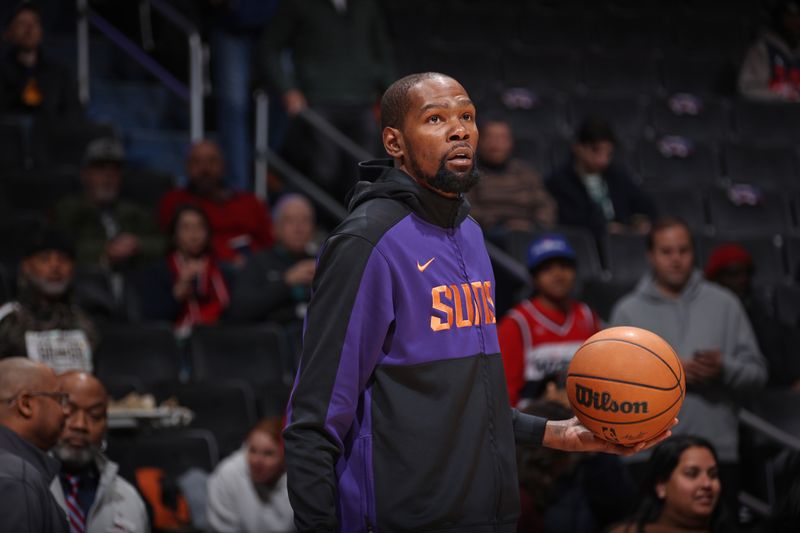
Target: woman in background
{"type": "Point", "coordinates": [247, 491]}
{"type": "Point", "coordinates": [680, 491]}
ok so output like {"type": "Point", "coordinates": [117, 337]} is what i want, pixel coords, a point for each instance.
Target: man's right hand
{"type": "Point", "coordinates": [294, 102]}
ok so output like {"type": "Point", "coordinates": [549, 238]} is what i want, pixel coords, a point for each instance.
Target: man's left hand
{"type": "Point", "coordinates": [572, 436]}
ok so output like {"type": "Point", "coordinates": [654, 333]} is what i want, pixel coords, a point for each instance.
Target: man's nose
{"type": "Point", "coordinates": [77, 420]}
{"type": "Point", "coordinates": [459, 133]}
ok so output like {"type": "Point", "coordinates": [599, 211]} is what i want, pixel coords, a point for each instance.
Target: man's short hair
{"type": "Point", "coordinates": [25, 5]}
{"type": "Point", "coordinates": [395, 102]}
{"type": "Point", "coordinates": [666, 223]}
{"type": "Point", "coordinates": [595, 129]}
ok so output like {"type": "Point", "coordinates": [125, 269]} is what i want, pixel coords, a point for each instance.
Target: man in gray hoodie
{"type": "Point", "coordinates": [709, 330]}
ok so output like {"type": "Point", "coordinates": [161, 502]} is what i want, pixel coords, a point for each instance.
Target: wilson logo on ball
{"type": "Point", "coordinates": [588, 397]}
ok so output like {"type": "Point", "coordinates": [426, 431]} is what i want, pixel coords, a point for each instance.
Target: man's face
{"type": "Point", "coordinates": [555, 279]}
{"type": "Point", "coordinates": [86, 422]}
{"type": "Point", "coordinates": [736, 277]}
{"type": "Point", "coordinates": [25, 30]}
{"type": "Point", "coordinates": [672, 257]}
{"type": "Point", "coordinates": [593, 157]}
{"type": "Point", "coordinates": [496, 144]}
{"type": "Point", "coordinates": [101, 181]}
{"type": "Point", "coordinates": [205, 166]}
{"type": "Point", "coordinates": [264, 458]}
{"type": "Point", "coordinates": [294, 227]}
{"type": "Point", "coordinates": [50, 271]}
{"type": "Point", "coordinates": [439, 137]}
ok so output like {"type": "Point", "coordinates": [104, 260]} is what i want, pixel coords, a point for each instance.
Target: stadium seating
{"type": "Point", "coordinates": [148, 352]}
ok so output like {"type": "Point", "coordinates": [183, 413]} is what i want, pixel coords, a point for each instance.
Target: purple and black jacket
{"type": "Point", "coordinates": [399, 419]}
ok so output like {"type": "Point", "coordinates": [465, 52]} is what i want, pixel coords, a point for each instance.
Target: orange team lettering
{"type": "Point", "coordinates": [450, 301]}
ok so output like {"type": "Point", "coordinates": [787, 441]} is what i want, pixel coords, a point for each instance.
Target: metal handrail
{"type": "Point", "coordinates": [195, 91]}
{"type": "Point", "coordinates": [261, 143]}
{"type": "Point", "coordinates": [331, 132]}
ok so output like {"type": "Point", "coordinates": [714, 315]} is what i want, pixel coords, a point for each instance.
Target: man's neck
{"type": "Point", "coordinates": [668, 291]}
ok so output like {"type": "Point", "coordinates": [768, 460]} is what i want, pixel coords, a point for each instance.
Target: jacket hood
{"type": "Point", "coordinates": [380, 179]}
{"type": "Point", "coordinates": [647, 287]}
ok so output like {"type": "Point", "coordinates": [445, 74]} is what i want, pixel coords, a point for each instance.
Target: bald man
{"type": "Point", "coordinates": [32, 411]}
{"type": "Point", "coordinates": [88, 488]}
{"type": "Point", "coordinates": [276, 283]}
{"type": "Point", "coordinates": [240, 222]}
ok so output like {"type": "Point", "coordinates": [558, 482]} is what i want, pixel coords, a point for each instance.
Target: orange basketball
{"type": "Point", "coordinates": [626, 384]}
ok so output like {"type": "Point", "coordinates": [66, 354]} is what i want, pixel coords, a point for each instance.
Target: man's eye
{"type": "Point", "coordinates": [467, 116]}
{"type": "Point", "coordinates": [434, 119]}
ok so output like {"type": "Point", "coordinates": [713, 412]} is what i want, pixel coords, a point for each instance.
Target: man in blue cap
{"type": "Point", "coordinates": [539, 336]}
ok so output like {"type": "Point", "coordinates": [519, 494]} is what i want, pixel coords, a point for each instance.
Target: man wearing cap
{"type": "Point", "coordinates": [42, 323]}
{"type": "Point", "coordinates": [539, 336]}
{"type": "Point", "coordinates": [30, 83]}
{"type": "Point", "coordinates": [731, 266]}
{"type": "Point", "coordinates": [108, 231]}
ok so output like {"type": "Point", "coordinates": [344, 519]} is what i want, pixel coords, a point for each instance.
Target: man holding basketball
{"type": "Point", "coordinates": [399, 418]}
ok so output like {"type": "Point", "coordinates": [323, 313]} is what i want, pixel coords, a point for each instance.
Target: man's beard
{"type": "Point", "coordinates": [50, 289]}
{"type": "Point", "coordinates": [76, 458]}
{"type": "Point", "coordinates": [446, 180]}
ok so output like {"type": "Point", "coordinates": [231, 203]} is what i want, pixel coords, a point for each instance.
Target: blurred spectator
{"type": "Point", "coordinates": [107, 230]}
{"type": "Point", "coordinates": [236, 26]}
{"type": "Point", "coordinates": [708, 328]}
{"type": "Point", "coordinates": [32, 410]}
{"type": "Point", "coordinates": [731, 266]}
{"type": "Point", "coordinates": [771, 67]}
{"type": "Point", "coordinates": [30, 83]}
{"type": "Point", "coordinates": [680, 491]}
{"type": "Point", "coordinates": [511, 194]}
{"type": "Point", "coordinates": [276, 284]}
{"type": "Point", "coordinates": [593, 192]}
{"type": "Point", "coordinates": [240, 222]}
{"type": "Point", "coordinates": [567, 492]}
{"type": "Point", "coordinates": [186, 288]}
{"type": "Point", "coordinates": [247, 491]}
{"type": "Point", "coordinates": [342, 61]}
{"type": "Point", "coordinates": [94, 497]}
{"type": "Point", "coordinates": [43, 323]}
{"type": "Point", "coordinates": [540, 335]}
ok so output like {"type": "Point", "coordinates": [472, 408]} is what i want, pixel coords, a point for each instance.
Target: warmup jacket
{"type": "Point", "coordinates": [399, 419]}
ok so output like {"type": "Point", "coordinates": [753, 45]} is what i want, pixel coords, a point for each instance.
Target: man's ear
{"type": "Point", "coordinates": [23, 405]}
{"type": "Point", "coordinates": [393, 142]}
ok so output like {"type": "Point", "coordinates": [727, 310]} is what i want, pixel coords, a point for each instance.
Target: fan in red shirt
{"type": "Point", "coordinates": [539, 336]}
{"type": "Point", "coordinates": [240, 222]}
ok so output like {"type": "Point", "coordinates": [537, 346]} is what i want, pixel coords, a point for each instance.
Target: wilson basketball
{"type": "Point", "coordinates": [626, 384]}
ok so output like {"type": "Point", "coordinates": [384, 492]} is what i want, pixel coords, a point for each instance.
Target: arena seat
{"type": "Point", "coordinates": [772, 166]}
{"type": "Point", "coordinates": [768, 216]}
{"type": "Point", "coordinates": [625, 256]}
{"type": "Point", "coordinates": [257, 354]}
{"type": "Point", "coordinates": [226, 408]}
{"type": "Point", "coordinates": [711, 122]}
{"type": "Point", "coordinates": [148, 352]}
{"type": "Point", "coordinates": [699, 168]}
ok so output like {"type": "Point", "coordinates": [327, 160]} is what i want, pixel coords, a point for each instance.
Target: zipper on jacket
{"type": "Point", "coordinates": [369, 525]}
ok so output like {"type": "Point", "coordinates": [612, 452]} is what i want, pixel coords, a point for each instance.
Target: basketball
{"type": "Point", "coordinates": [626, 384]}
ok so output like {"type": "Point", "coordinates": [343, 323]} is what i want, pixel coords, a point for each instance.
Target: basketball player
{"type": "Point", "coordinates": [399, 419]}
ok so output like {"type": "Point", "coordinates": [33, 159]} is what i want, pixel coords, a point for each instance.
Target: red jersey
{"type": "Point", "coordinates": [537, 341]}
{"type": "Point", "coordinates": [239, 222]}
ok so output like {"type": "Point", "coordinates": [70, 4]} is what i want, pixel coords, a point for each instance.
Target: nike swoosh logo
{"type": "Point", "coordinates": [422, 268]}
